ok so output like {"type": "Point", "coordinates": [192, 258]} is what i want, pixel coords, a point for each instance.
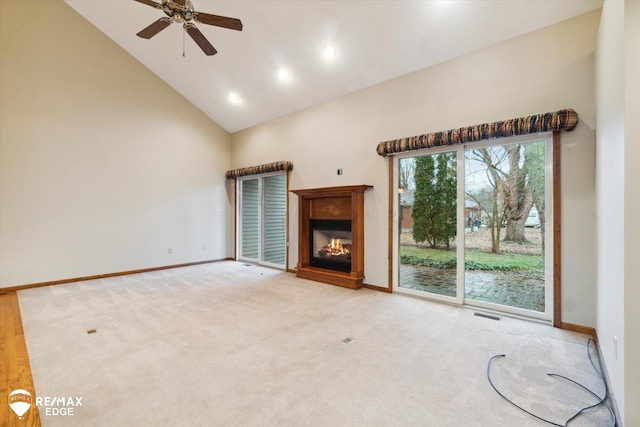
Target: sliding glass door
{"type": "Point", "coordinates": [262, 214]}
{"type": "Point", "coordinates": [428, 224]}
{"type": "Point", "coordinates": [472, 227]}
{"type": "Point", "coordinates": [504, 239]}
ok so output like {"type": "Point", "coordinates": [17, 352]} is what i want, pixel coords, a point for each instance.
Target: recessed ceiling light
{"type": "Point", "coordinates": [234, 98]}
{"type": "Point", "coordinates": [284, 74]}
{"type": "Point", "coordinates": [329, 52]}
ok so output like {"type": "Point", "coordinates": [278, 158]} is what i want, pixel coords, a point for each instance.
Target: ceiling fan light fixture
{"type": "Point", "coordinates": [182, 12]}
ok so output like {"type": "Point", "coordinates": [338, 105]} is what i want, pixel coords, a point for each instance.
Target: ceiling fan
{"type": "Point", "coordinates": [181, 12]}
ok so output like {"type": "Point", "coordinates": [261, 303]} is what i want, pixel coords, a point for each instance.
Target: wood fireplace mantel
{"type": "Point", "coordinates": [344, 203]}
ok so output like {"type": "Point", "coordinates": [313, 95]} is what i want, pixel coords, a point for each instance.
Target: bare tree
{"type": "Point", "coordinates": [534, 156]}
{"type": "Point", "coordinates": [518, 194]}
{"type": "Point", "coordinates": [407, 172]}
{"type": "Point", "coordinates": [515, 172]}
{"type": "Point", "coordinates": [493, 197]}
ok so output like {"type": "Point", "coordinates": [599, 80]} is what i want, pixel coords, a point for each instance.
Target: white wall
{"type": "Point", "coordinates": [632, 213]}
{"type": "Point", "coordinates": [610, 171]}
{"type": "Point", "coordinates": [103, 166]}
{"type": "Point", "coordinates": [542, 71]}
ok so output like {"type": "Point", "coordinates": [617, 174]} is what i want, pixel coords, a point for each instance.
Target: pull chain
{"type": "Point", "coordinates": [183, 54]}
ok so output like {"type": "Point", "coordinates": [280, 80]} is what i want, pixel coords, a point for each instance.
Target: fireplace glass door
{"type": "Point", "coordinates": [330, 244]}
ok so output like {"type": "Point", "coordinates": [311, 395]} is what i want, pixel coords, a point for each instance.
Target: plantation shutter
{"type": "Point", "coordinates": [275, 211]}
{"type": "Point", "coordinates": [250, 226]}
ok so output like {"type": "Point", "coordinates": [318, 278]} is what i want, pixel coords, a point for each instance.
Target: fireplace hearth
{"type": "Point", "coordinates": [331, 235]}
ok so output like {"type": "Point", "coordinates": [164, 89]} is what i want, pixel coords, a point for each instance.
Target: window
{"type": "Point", "coordinates": [262, 216]}
{"type": "Point", "coordinates": [472, 225]}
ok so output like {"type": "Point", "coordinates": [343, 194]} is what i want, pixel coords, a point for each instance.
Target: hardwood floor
{"type": "Point", "coordinates": [15, 371]}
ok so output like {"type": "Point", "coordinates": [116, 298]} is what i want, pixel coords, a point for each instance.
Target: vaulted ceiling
{"type": "Point", "coordinates": [374, 41]}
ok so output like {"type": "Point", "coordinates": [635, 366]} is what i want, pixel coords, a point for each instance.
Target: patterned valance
{"type": "Point", "coordinates": [282, 165]}
{"type": "Point", "coordinates": [547, 122]}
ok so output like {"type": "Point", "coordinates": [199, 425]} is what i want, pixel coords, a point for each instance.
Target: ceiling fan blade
{"type": "Point", "coordinates": [218, 21]}
{"type": "Point", "coordinates": [200, 40]}
{"type": "Point", "coordinates": [180, 2]}
{"type": "Point", "coordinates": [154, 28]}
{"type": "Point", "coordinates": [150, 3]}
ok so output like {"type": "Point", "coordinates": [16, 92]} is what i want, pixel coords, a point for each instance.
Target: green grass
{"type": "Point", "coordinates": [474, 260]}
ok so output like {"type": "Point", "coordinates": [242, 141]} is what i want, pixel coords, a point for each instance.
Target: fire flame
{"type": "Point", "coordinates": [335, 248]}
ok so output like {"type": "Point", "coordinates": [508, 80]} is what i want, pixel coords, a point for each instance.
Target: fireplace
{"type": "Point", "coordinates": [330, 244]}
{"type": "Point", "coordinates": [331, 235]}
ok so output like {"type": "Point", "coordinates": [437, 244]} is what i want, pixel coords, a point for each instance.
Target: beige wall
{"type": "Point", "coordinates": [103, 166]}
{"type": "Point", "coordinates": [618, 201]}
{"type": "Point", "coordinates": [632, 213]}
{"type": "Point", "coordinates": [543, 71]}
{"type": "Point", "coordinates": [610, 84]}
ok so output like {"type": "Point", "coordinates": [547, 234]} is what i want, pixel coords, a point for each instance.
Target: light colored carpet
{"type": "Point", "coordinates": [228, 344]}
